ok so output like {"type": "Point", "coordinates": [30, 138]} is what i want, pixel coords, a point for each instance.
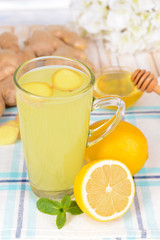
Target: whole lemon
{"type": "Point", "coordinates": [126, 144]}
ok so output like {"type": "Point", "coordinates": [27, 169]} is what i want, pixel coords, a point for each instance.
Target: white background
{"type": "Point", "coordinates": [29, 12]}
{"type": "Point", "coordinates": [33, 4]}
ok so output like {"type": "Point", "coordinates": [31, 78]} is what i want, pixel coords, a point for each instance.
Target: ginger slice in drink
{"type": "Point", "coordinates": [66, 80]}
{"type": "Point", "coordinates": [38, 88]}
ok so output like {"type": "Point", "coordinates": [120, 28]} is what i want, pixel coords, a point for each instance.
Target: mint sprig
{"type": "Point", "coordinates": [59, 208]}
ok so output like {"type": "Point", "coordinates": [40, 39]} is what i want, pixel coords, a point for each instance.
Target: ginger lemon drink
{"type": "Point", "coordinates": [54, 129]}
{"type": "Point", "coordinates": [54, 100]}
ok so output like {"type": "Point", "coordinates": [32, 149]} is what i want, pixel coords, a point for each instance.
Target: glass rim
{"type": "Point", "coordinates": [85, 89]}
{"type": "Point", "coordinates": [116, 68]}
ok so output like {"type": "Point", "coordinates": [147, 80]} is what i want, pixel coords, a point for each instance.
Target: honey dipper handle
{"type": "Point", "coordinates": [157, 90]}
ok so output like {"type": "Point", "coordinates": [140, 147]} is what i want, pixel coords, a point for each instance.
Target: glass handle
{"type": "Point", "coordinates": [100, 129]}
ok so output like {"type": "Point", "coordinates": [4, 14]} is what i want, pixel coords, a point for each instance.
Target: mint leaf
{"type": "Point", "coordinates": [74, 209]}
{"type": "Point", "coordinates": [66, 202]}
{"type": "Point", "coordinates": [48, 206]}
{"type": "Point", "coordinates": [61, 219]}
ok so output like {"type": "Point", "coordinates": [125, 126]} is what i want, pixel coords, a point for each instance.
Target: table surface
{"type": "Point", "coordinates": [19, 217]}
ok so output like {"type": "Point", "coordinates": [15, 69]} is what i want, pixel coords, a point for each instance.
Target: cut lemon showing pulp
{"type": "Point", "coordinates": [104, 189]}
{"type": "Point", "coordinates": [66, 80]}
{"type": "Point", "coordinates": [38, 88]}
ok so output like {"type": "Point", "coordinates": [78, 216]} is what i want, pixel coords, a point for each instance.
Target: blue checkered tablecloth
{"type": "Point", "coordinates": [19, 218]}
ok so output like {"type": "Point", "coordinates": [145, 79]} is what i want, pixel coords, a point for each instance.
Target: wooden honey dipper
{"type": "Point", "coordinates": [145, 81]}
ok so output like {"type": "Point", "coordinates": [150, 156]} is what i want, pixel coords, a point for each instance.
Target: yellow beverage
{"type": "Point", "coordinates": [54, 132]}
{"type": "Point", "coordinates": [54, 100]}
{"type": "Point", "coordinates": [117, 82]}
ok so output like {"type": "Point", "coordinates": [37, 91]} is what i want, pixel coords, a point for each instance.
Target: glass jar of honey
{"type": "Point", "coordinates": [116, 81]}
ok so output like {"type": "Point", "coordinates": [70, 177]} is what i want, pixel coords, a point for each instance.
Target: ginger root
{"type": "Point", "coordinates": [57, 41]}
{"type": "Point", "coordinates": [26, 54]}
{"type": "Point", "coordinates": [8, 63]}
{"type": "Point", "coordinates": [68, 51]}
{"type": "Point", "coordinates": [9, 132]}
{"type": "Point", "coordinates": [7, 93]}
{"type": "Point", "coordinates": [42, 43]}
{"type": "Point", "coordinates": [9, 40]}
{"type": "Point", "coordinates": [67, 36]}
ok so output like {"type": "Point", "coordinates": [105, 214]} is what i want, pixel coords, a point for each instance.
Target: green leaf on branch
{"type": "Point", "coordinates": [61, 219]}
{"type": "Point", "coordinates": [66, 202]}
{"type": "Point", "coordinates": [74, 209]}
{"type": "Point", "coordinates": [48, 206]}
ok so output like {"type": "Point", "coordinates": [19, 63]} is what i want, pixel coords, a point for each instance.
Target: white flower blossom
{"type": "Point", "coordinates": [117, 20]}
{"type": "Point", "coordinates": [93, 17]}
{"type": "Point", "coordinates": [126, 26]}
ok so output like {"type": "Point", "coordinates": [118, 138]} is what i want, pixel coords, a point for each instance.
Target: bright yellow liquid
{"type": "Point", "coordinates": [54, 132]}
{"type": "Point", "coordinates": [117, 83]}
